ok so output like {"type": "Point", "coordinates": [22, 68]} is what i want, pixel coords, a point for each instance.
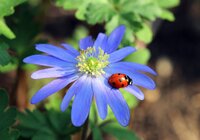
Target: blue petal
{"type": "Point", "coordinates": [115, 38]}
{"type": "Point", "coordinates": [46, 61]}
{"type": "Point", "coordinates": [134, 66]}
{"type": "Point", "coordinates": [143, 80]}
{"type": "Point", "coordinates": [135, 91]}
{"type": "Point", "coordinates": [100, 97]}
{"type": "Point", "coordinates": [138, 78]}
{"type": "Point", "coordinates": [52, 87]}
{"type": "Point", "coordinates": [120, 54]}
{"type": "Point", "coordinates": [118, 105]}
{"type": "Point", "coordinates": [85, 43]}
{"type": "Point", "coordinates": [56, 52]}
{"type": "Point", "coordinates": [71, 49]}
{"type": "Point", "coordinates": [71, 92]}
{"type": "Point", "coordinates": [100, 41]}
{"type": "Point", "coordinates": [82, 103]}
{"type": "Point", "coordinates": [53, 73]}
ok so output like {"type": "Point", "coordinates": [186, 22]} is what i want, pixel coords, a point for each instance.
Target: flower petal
{"type": "Point", "coordinates": [115, 38]}
{"type": "Point", "coordinates": [135, 91]}
{"type": "Point", "coordinates": [118, 105]}
{"type": "Point", "coordinates": [56, 52]}
{"type": "Point", "coordinates": [52, 87]}
{"type": "Point", "coordinates": [71, 49]}
{"type": "Point", "coordinates": [53, 73]}
{"type": "Point", "coordinates": [46, 61]}
{"type": "Point", "coordinates": [138, 78]}
{"type": "Point", "coordinates": [82, 103]}
{"type": "Point", "coordinates": [120, 54]}
{"type": "Point", "coordinates": [100, 41]}
{"type": "Point", "coordinates": [134, 66]}
{"type": "Point", "coordinates": [100, 97]}
{"type": "Point", "coordinates": [143, 80]}
{"type": "Point", "coordinates": [85, 43]}
{"type": "Point", "coordinates": [71, 92]}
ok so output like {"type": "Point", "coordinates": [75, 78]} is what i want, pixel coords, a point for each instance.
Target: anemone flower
{"type": "Point", "coordinates": [89, 70]}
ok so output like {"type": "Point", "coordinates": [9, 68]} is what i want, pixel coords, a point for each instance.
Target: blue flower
{"type": "Point", "coordinates": [88, 71]}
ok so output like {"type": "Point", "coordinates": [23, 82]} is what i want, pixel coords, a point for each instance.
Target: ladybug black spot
{"type": "Point", "coordinates": [120, 80]}
{"type": "Point", "coordinates": [122, 85]}
{"type": "Point", "coordinates": [113, 83]}
{"type": "Point", "coordinates": [119, 73]}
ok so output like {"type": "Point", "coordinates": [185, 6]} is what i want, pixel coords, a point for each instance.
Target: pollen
{"type": "Point", "coordinates": [92, 61]}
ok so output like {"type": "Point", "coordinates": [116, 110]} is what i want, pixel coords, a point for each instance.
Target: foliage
{"type": "Point", "coordinates": [119, 132]}
{"type": "Point", "coordinates": [136, 57]}
{"type": "Point", "coordinates": [135, 14]}
{"type": "Point", "coordinates": [112, 129]}
{"type": "Point", "coordinates": [7, 118]}
{"type": "Point", "coordinates": [4, 57]}
{"type": "Point", "coordinates": [51, 125]}
{"type": "Point", "coordinates": [25, 35]}
{"type": "Point", "coordinates": [6, 9]}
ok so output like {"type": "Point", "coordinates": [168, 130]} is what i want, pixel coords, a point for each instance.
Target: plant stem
{"type": "Point", "coordinates": [85, 130]}
{"type": "Point", "coordinates": [19, 91]}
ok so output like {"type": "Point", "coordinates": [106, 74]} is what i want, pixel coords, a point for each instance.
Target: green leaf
{"type": "Point", "coordinates": [82, 10]}
{"type": "Point", "coordinates": [6, 9]}
{"type": "Point", "coordinates": [69, 4]}
{"type": "Point", "coordinates": [9, 67]}
{"type": "Point", "coordinates": [114, 1]}
{"type": "Point", "coordinates": [22, 45]}
{"type": "Point", "coordinates": [119, 132]}
{"type": "Point", "coordinates": [168, 3]}
{"type": "Point", "coordinates": [44, 134]}
{"type": "Point", "coordinates": [7, 6]}
{"type": "Point", "coordinates": [5, 30]}
{"type": "Point", "coordinates": [145, 34]}
{"type": "Point", "coordinates": [7, 118]}
{"type": "Point", "coordinates": [133, 14]}
{"type": "Point", "coordinates": [3, 100]}
{"type": "Point", "coordinates": [37, 115]}
{"type": "Point", "coordinates": [167, 15]}
{"type": "Point", "coordinates": [46, 125]}
{"type": "Point", "coordinates": [61, 122]}
{"type": "Point", "coordinates": [149, 11]}
{"type": "Point", "coordinates": [4, 56]}
{"type": "Point", "coordinates": [140, 56]}
{"type": "Point", "coordinates": [9, 134]}
{"type": "Point", "coordinates": [4, 135]}
{"type": "Point", "coordinates": [14, 134]}
{"type": "Point", "coordinates": [131, 21]}
{"type": "Point", "coordinates": [30, 120]}
{"type": "Point", "coordinates": [112, 24]}
{"type": "Point", "coordinates": [104, 13]}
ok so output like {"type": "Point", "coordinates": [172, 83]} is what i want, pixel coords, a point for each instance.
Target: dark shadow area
{"type": "Point", "coordinates": [171, 112]}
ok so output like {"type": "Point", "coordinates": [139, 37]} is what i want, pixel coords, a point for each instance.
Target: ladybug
{"type": "Point", "coordinates": [119, 80]}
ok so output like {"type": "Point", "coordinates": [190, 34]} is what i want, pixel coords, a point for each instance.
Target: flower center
{"type": "Point", "coordinates": [92, 61]}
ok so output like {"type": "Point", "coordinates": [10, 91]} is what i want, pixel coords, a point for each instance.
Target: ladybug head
{"type": "Point", "coordinates": [130, 81]}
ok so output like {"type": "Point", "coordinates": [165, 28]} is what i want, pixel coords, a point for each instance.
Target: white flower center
{"type": "Point", "coordinates": [92, 61]}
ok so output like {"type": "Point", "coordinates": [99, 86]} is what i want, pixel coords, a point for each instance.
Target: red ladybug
{"type": "Point", "coordinates": [119, 80]}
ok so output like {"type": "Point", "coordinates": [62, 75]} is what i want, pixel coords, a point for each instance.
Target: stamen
{"type": "Point", "coordinates": [92, 62]}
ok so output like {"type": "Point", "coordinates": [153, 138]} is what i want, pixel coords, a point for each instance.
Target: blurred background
{"type": "Point", "coordinates": [166, 34]}
{"type": "Point", "coordinates": [172, 110]}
